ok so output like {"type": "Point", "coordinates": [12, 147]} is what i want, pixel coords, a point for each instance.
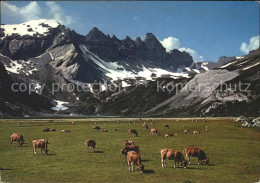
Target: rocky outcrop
{"type": "Point", "coordinates": [18, 103]}
{"type": "Point", "coordinates": [248, 122]}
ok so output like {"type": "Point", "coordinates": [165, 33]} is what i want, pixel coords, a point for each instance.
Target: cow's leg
{"type": "Point", "coordinates": [178, 164]}
{"type": "Point", "coordinates": [87, 148]}
{"type": "Point", "coordinates": [189, 160]}
{"type": "Point", "coordinates": [94, 149]}
{"type": "Point", "coordinates": [174, 163]}
{"type": "Point", "coordinates": [198, 161]}
{"type": "Point", "coordinates": [133, 166]}
{"type": "Point", "coordinates": [129, 165]}
{"type": "Point", "coordinates": [34, 151]}
{"type": "Point", "coordinates": [162, 160]}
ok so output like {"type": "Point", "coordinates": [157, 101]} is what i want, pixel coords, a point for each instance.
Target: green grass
{"type": "Point", "coordinates": [233, 152]}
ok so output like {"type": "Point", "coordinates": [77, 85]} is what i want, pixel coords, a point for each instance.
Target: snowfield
{"type": "Point", "coordinates": [30, 28]}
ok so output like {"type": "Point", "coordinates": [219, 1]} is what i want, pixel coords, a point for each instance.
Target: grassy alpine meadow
{"type": "Point", "coordinates": [233, 151]}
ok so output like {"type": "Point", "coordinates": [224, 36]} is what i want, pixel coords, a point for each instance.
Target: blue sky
{"type": "Point", "coordinates": [207, 30]}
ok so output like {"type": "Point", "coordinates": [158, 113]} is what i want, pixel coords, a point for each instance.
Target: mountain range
{"type": "Point", "coordinates": [44, 54]}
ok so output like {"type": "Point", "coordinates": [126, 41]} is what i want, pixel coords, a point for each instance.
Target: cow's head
{"type": "Point", "coordinates": [46, 151]}
{"type": "Point", "coordinates": [123, 151]}
{"type": "Point", "coordinates": [184, 163]}
{"type": "Point", "coordinates": [206, 161]}
{"type": "Point", "coordinates": [21, 142]}
{"type": "Point", "coordinates": [141, 168]}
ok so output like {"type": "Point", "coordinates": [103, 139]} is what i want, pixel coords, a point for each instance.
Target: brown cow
{"type": "Point", "coordinates": [95, 127]}
{"type": "Point", "coordinates": [207, 128]}
{"type": "Point", "coordinates": [196, 132]}
{"type": "Point", "coordinates": [166, 126]}
{"type": "Point", "coordinates": [168, 135]}
{"type": "Point", "coordinates": [40, 143]}
{"type": "Point", "coordinates": [132, 131]}
{"type": "Point", "coordinates": [133, 158]}
{"type": "Point", "coordinates": [102, 130]}
{"type": "Point", "coordinates": [172, 154]}
{"type": "Point", "coordinates": [126, 149]}
{"type": "Point", "coordinates": [128, 142]}
{"type": "Point", "coordinates": [90, 143]}
{"type": "Point", "coordinates": [154, 131]}
{"type": "Point", "coordinates": [186, 131]}
{"type": "Point", "coordinates": [16, 138]}
{"type": "Point", "coordinates": [145, 125]}
{"type": "Point", "coordinates": [49, 130]}
{"type": "Point", "coordinates": [65, 131]}
{"type": "Point", "coordinates": [115, 129]}
{"type": "Point", "coordinates": [196, 152]}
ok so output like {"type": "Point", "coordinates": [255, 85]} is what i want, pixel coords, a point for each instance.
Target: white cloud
{"type": "Point", "coordinates": [171, 43]}
{"type": "Point", "coordinates": [33, 11]}
{"type": "Point", "coordinates": [56, 13]}
{"type": "Point", "coordinates": [28, 12]}
{"type": "Point", "coordinates": [196, 57]}
{"type": "Point", "coordinates": [253, 45]}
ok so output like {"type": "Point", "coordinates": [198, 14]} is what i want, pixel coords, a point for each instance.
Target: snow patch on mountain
{"type": "Point", "coordinates": [30, 28]}
{"type": "Point", "coordinates": [117, 72]}
{"type": "Point", "coordinates": [60, 106]}
{"type": "Point", "coordinates": [251, 66]}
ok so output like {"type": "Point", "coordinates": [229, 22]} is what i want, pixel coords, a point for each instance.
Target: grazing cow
{"type": "Point", "coordinates": [49, 130]}
{"type": "Point", "coordinates": [115, 129]}
{"type": "Point", "coordinates": [207, 128]}
{"type": "Point", "coordinates": [172, 154]}
{"type": "Point", "coordinates": [152, 123]}
{"type": "Point", "coordinates": [90, 143]}
{"type": "Point", "coordinates": [145, 125]}
{"type": "Point", "coordinates": [16, 138]}
{"type": "Point", "coordinates": [95, 127]}
{"type": "Point", "coordinates": [126, 149]}
{"type": "Point", "coordinates": [186, 131]}
{"type": "Point", "coordinates": [133, 158]}
{"type": "Point", "coordinates": [131, 121]}
{"type": "Point", "coordinates": [73, 123]}
{"type": "Point", "coordinates": [196, 132]}
{"type": "Point", "coordinates": [166, 126]}
{"type": "Point", "coordinates": [65, 131]}
{"type": "Point", "coordinates": [46, 129]}
{"type": "Point", "coordinates": [168, 135]}
{"type": "Point", "coordinates": [132, 131]}
{"type": "Point", "coordinates": [184, 126]}
{"type": "Point", "coordinates": [102, 130]}
{"type": "Point", "coordinates": [154, 131]}
{"type": "Point", "coordinates": [40, 143]}
{"type": "Point", "coordinates": [128, 142]}
{"type": "Point", "coordinates": [196, 152]}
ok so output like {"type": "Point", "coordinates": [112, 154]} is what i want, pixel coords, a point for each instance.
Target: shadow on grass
{"type": "Point", "coordinates": [149, 171]}
{"type": "Point", "coordinates": [4, 169]}
{"type": "Point", "coordinates": [99, 152]}
{"type": "Point", "coordinates": [144, 160]}
{"type": "Point", "coordinates": [51, 154]}
{"type": "Point", "coordinates": [211, 165]}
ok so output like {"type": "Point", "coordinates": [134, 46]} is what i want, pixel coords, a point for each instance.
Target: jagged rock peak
{"type": "Point", "coordinates": [96, 34]}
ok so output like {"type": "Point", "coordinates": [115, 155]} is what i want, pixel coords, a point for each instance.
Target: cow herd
{"type": "Point", "coordinates": [131, 151]}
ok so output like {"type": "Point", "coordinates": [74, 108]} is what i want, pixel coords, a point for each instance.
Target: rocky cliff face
{"type": "Point", "coordinates": [19, 103]}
